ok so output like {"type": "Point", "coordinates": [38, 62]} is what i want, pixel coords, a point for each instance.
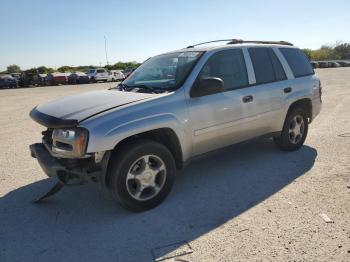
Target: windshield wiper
{"type": "Point", "coordinates": [120, 87]}
{"type": "Point", "coordinates": [148, 88]}
{"type": "Point", "coordinates": [123, 87]}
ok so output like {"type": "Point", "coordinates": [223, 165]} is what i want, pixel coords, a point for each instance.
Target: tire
{"type": "Point", "coordinates": [290, 139]}
{"type": "Point", "coordinates": [128, 178]}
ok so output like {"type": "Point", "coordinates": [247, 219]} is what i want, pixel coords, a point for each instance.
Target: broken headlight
{"type": "Point", "coordinates": [70, 142]}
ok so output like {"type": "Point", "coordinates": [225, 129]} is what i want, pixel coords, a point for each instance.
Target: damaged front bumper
{"type": "Point", "coordinates": [69, 171]}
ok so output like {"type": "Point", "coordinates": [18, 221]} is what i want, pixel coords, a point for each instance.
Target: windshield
{"type": "Point", "coordinates": [163, 72]}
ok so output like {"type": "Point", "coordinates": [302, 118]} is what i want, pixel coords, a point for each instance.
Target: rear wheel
{"type": "Point", "coordinates": [141, 174]}
{"type": "Point", "coordinates": [294, 131]}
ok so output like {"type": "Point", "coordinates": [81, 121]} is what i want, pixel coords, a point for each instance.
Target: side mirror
{"type": "Point", "coordinates": [207, 86]}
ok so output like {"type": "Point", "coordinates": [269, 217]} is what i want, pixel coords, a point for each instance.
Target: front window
{"type": "Point", "coordinates": [163, 72]}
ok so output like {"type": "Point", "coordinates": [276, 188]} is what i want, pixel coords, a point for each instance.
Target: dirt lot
{"type": "Point", "coordinates": [249, 202]}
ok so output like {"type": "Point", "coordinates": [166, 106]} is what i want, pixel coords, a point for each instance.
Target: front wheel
{"type": "Point", "coordinates": [294, 131]}
{"type": "Point", "coordinates": [141, 174]}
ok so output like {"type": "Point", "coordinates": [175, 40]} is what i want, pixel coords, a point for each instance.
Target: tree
{"type": "Point", "coordinates": [13, 69]}
{"type": "Point", "coordinates": [325, 53]}
{"type": "Point", "coordinates": [44, 70]}
{"type": "Point", "coordinates": [343, 50]}
{"type": "Point", "coordinates": [64, 69]}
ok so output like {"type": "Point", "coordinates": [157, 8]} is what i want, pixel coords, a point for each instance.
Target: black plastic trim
{"type": "Point", "coordinates": [51, 121]}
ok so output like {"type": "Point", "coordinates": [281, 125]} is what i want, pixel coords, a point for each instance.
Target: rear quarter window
{"type": "Point", "coordinates": [298, 62]}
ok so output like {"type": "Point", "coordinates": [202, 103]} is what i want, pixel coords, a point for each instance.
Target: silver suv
{"type": "Point", "coordinates": [175, 106]}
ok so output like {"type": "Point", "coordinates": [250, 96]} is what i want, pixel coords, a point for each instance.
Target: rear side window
{"type": "Point", "coordinates": [298, 62]}
{"type": "Point", "coordinates": [264, 72]}
{"type": "Point", "coordinates": [229, 65]}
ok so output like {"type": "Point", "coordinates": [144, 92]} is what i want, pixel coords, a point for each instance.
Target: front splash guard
{"type": "Point", "coordinates": [63, 180]}
{"type": "Point", "coordinates": [57, 187]}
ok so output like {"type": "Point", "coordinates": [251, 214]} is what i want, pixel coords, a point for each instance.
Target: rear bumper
{"type": "Point", "coordinates": [66, 170]}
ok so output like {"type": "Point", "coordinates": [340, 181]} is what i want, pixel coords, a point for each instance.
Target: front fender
{"type": "Point", "coordinates": [109, 138]}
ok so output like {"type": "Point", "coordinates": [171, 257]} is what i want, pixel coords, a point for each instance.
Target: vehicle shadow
{"type": "Point", "coordinates": [85, 224]}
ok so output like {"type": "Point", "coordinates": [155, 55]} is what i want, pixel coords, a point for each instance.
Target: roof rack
{"type": "Point", "coordinates": [223, 40]}
{"type": "Point", "coordinates": [240, 41]}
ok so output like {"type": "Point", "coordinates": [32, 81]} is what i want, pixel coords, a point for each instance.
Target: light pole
{"type": "Point", "coordinates": [106, 49]}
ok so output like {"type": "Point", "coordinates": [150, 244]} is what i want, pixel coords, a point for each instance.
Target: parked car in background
{"type": "Point", "coordinates": [58, 78]}
{"type": "Point", "coordinates": [323, 64]}
{"type": "Point", "coordinates": [333, 64]}
{"type": "Point", "coordinates": [30, 78]}
{"type": "Point", "coordinates": [343, 63]}
{"type": "Point", "coordinates": [42, 79]}
{"type": "Point", "coordinates": [78, 78]}
{"type": "Point", "coordinates": [116, 75]}
{"type": "Point", "coordinates": [314, 64]}
{"type": "Point", "coordinates": [16, 76]}
{"type": "Point", "coordinates": [98, 74]}
{"type": "Point", "coordinates": [7, 81]}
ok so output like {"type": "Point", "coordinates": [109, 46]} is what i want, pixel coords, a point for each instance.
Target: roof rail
{"type": "Point", "coordinates": [240, 41]}
{"type": "Point", "coordinates": [223, 40]}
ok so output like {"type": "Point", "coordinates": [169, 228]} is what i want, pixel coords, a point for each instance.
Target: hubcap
{"type": "Point", "coordinates": [296, 129]}
{"type": "Point", "coordinates": [146, 177]}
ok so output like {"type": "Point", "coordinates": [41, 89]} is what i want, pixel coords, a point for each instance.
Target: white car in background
{"type": "Point", "coordinates": [116, 75]}
{"type": "Point", "coordinates": [98, 74]}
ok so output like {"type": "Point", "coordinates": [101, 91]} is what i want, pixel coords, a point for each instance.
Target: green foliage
{"type": "Point", "coordinates": [64, 69]}
{"type": "Point", "coordinates": [13, 69]}
{"type": "Point", "coordinates": [44, 70]}
{"type": "Point", "coordinates": [308, 52]}
{"type": "Point", "coordinates": [339, 51]}
{"type": "Point", "coordinates": [123, 65]}
{"type": "Point", "coordinates": [343, 50]}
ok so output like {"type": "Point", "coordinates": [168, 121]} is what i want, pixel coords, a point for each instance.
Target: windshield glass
{"type": "Point", "coordinates": [164, 71]}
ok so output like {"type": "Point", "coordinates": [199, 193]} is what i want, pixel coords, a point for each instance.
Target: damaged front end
{"type": "Point", "coordinates": [62, 155]}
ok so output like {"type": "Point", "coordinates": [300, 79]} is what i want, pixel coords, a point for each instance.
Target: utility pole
{"type": "Point", "coordinates": [106, 49]}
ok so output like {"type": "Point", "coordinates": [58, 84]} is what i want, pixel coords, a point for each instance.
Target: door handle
{"type": "Point", "coordinates": [247, 99]}
{"type": "Point", "coordinates": [287, 90]}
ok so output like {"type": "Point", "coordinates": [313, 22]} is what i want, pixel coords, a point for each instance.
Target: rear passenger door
{"type": "Point", "coordinates": [269, 85]}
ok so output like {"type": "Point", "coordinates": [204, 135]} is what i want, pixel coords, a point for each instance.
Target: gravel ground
{"type": "Point", "coordinates": [248, 202]}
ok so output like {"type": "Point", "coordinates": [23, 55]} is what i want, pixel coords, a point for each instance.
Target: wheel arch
{"type": "Point", "coordinates": [304, 103]}
{"type": "Point", "coordinates": [165, 136]}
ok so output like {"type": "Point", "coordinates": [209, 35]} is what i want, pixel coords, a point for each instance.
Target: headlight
{"type": "Point", "coordinates": [70, 142]}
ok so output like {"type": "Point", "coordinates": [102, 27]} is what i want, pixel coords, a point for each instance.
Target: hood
{"type": "Point", "coordinates": [70, 110]}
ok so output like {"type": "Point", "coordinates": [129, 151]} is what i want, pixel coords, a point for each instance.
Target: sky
{"type": "Point", "coordinates": [56, 33]}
